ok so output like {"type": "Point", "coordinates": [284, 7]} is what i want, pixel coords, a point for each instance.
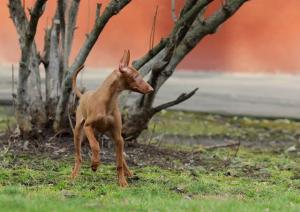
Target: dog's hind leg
{"type": "Point", "coordinates": [78, 137]}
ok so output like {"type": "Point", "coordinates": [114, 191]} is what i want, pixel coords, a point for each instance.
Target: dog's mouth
{"type": "Point", "coordinates": [143, 90]}
{"type": "Point", "coordinates": [149, 90]}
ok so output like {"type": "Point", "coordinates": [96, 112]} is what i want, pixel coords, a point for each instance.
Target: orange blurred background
{"type": "Point", "coordinates": [263, 36]}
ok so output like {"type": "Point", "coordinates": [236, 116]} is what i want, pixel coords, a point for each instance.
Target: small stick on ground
{"type": "Point", "coordinates": [58, 133]}
{"type": "Point", "coordinates": [229, 160]}
{"type": "Point", "coordinates": [222, 146]}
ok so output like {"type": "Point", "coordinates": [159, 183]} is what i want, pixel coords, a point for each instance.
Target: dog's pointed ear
{"type": "Point", "coordinates": [124, 61]}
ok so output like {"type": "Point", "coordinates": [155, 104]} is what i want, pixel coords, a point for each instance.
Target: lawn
{"type": "Point", "coordinates": [252, 180]}
{"type": "Point", "coordinates": [250, 183]}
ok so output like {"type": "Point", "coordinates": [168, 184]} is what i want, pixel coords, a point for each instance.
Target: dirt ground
{"type": "Point", "coordinates": [169, 157]}
{"type": "Point", "coordinates": [136, 155]}
{"type": "Point", "coordinates": [175, 140]}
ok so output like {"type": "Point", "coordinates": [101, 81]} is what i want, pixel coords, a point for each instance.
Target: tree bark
{"type": "Point", "coordinates": [53, 70]}
{"type": "Point", "coordinates": [69, 32]}
{"type": "Point", "coordinates": [29, 105]}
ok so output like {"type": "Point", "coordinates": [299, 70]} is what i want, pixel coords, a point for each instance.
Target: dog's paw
{"type": "Point", "coordinates": [128, 173]}
{"type": "Point", "coordinates": [95, 165]}
{"type": "Point", "coordinates": [73, 176]}
{"type": "Point", "coordinates": [123, 183]}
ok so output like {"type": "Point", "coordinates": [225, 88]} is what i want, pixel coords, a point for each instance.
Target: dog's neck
{"type": "Point", "coordinates": [110, 89]}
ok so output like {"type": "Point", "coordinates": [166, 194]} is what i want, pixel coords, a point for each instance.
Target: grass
{"type": "Point", "coordinates": [208, 125]}
{"type": "Point", "coordinates": [251, 182]}
{"type": "Point", "coordinates": [6, 121]}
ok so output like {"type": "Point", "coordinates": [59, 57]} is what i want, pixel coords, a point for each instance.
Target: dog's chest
{"type": "Point", "coordinates": [104, 124]}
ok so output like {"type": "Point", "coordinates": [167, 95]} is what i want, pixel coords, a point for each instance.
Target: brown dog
{"type": "Point", "coordinates": [99, 110]}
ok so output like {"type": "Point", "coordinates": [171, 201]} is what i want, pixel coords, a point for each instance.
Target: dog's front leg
{"type": "Point", "coordinates": [127, 171]}
{"type": "Point", "coordinates": [119, 158]}
{"type": "Point", "coordinates": [94, 147]}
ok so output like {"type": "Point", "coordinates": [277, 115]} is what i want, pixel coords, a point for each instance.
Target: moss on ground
{"type": "Point", "coordinates": [208, 125]}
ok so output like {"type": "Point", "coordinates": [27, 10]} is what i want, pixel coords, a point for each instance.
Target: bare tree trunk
{"type": "Point", "coordinates": [36, 107]}
{"type": "Point", "coordinates": [29, 106]}
{"type": "Point", "coordinates": [53, 69]}
{"type": "Point", "coordinates": [57, 44]}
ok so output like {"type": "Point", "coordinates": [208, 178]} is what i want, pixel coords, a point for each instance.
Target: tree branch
{"type": "Point", "coordinates": [181, 27]}
{"type": "Point", "coordinates": [187, 18]}
{"type": "Point", "coordinates": [187, 6]}
{"type": "Point", "coordinates": [36, 13]}
{"type": "Point", "coordinates": [26, 30]}
{"type": "Point", "coordinates": [98, 9]}
{"type": "Point", "coordinates": [188, 14]}
{"type": "Point", "coordinates": [61, 9]}
{"type": "Point", "coordinates": [18, 16]}
{"type": "Point", "coordinates": [44, 57]}
{"type": "Point", "coordinates": [150, 54]}
{"type": "Point", "coordinates": [188, 31]}
{"type": "Point", "coordinates": [181, 98]}
{"type": "Point", "coordinates": [69, 34]}
{"type": "Point", "coordinates": [113, 8]}
{"type": "Point", "coordinates": [199, 29]}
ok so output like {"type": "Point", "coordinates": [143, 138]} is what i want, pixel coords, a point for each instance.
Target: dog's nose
{"type": "Point", "coordinates": [150, 89]}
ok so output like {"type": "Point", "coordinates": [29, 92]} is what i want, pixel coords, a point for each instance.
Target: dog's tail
{"type": "Point", "coordinates": [74, 84]}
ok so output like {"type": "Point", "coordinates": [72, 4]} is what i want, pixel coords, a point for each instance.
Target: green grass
{"type": "Point", "coordinates": [252, 182]}
{"type": "Point", "coordinates": [6, 121]}
{"type": "Point", "coordinates": [207, 125]}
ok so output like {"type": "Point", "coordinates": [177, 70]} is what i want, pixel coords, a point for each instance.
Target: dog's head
{"type": "Point", "coordinates": [132, 79]}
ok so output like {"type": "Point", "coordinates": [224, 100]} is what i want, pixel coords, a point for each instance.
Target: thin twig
{"type": "Point", "coordinates": [58, 133]}
{"type": "Point", "coordinates": [152, 34]}
{"type": "Point", "coordinates": [237, 149]}
{"type": "Point", "coordinates": [173, 2]}
{"type": "Point", "coordinates": [229, 160]}
{"type": "Point", "coordinates": [70, 120]}
{"type": "Point", "coordinates": [181, 98]}
{"type": "Point", "coordinates": [13, 85]}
